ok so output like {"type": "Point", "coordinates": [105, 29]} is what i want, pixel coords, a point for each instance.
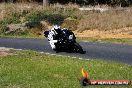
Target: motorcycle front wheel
{"type": "Point", "coordinates": [78, 48]}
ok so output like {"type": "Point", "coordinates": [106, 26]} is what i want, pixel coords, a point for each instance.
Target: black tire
{"type": "Point", "coordinates": [78, 48]}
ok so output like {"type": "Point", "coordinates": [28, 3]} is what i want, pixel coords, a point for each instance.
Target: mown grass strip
{"type": "Point", "coordinates": [30, 69]}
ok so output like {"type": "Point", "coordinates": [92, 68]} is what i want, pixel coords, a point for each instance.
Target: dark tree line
{"type": "Point", "coordinates": [122, 3]}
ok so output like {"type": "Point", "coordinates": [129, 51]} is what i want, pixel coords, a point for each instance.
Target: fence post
{"type": "Point", "coordinates": [45, 2]}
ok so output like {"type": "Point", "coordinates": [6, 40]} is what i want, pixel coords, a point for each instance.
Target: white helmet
{"type": "Point", "coordinates": [56, 27]}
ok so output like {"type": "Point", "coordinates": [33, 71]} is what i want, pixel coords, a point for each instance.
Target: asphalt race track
{"type": "Point", "coordinates": [105, 51]}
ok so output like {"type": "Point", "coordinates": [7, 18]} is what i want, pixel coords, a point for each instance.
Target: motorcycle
{"type": "Point", "coordinates": [67, 43]}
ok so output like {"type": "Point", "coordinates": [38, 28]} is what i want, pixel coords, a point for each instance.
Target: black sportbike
{"type": "Point", "coordinates": [67, 42]}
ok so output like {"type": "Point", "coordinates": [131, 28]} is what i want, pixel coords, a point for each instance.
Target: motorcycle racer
{"type": "Point", "coordinates": [53, 35]}
{"type": "Point", "coordinates": [62, 40]}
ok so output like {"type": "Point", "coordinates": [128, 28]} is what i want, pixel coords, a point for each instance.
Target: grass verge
{"type": "Point", "coordinates": [107, 40]}
{"type": "Point", "coordinates": [28, 69]}
{"type": "Point", "coordinates": [23, 36]}
{"type": "Point", "coordinates": [88, 39]}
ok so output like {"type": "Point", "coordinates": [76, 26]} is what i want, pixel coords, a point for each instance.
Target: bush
{"type": "Point", "coordinates": [11, 18]}
{"type": "Point", "coordinates": [50, 17]}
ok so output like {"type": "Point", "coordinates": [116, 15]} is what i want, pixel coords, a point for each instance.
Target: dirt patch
{"type": "Point", "coordinates": [117, 33]}
{"type": "Point", "coordinates": [5, 51]}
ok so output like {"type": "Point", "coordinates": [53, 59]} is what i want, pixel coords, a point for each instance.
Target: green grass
{"type": "Point", "coordinates": [30, 69]}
